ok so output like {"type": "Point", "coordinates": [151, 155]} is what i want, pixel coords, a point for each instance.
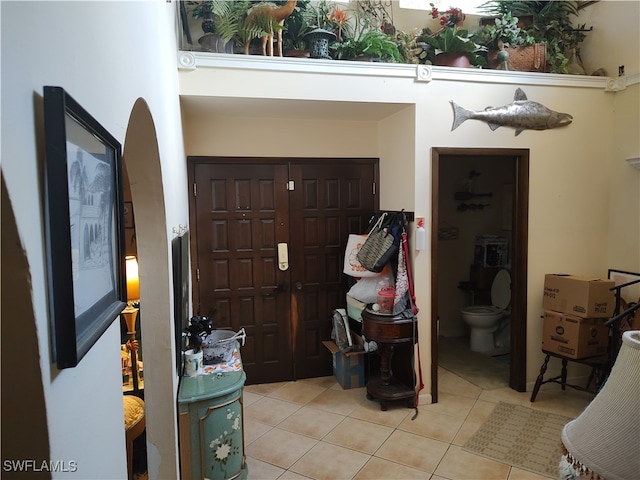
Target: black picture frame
{"type": "Point", "coordinates": [180, 256]}
{"type": "Point", "coordinates": [84, 227]}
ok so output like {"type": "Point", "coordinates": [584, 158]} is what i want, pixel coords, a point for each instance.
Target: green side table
{"type": "Point", "coordinates": [211, 426]}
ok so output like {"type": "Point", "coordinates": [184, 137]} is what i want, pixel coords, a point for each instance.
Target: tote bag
{"type": "Point", "coordinates": [379, 248]}
{"type": "Point", "coordinates": [352, 266]}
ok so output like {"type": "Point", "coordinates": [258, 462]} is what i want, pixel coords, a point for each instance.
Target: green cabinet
{"type": "Point", "coordinates": [211, 427]}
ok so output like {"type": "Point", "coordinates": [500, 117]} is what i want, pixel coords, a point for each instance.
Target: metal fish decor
{"type": "Point", "coordinates": [521, 114]}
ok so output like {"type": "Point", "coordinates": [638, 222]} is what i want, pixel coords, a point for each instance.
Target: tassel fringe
{"type": "Point", "coordinates": [578, 470]}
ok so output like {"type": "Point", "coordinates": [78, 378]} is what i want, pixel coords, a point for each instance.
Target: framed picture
{"type": "Point", "coordinates": [629, 293]}
{"type": "Point", "coordinates": [84, 231]}
{"type": "Point", "coordinates": [180, 256]}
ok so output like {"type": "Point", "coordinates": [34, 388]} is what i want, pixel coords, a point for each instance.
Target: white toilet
{"type": "Point", "coordinates": [484, 320]}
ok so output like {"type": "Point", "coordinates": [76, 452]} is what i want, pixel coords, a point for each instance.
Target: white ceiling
{"type": "Point", "coordinates": [297, 109]}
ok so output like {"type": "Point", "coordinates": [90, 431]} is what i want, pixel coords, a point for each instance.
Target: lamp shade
{"type": "Point", "coordinates": [133, 281]}
{"type": "Point", "coordinates": [604, 440]}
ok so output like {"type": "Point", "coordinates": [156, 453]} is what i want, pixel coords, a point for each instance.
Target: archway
{"type": "Point", "coordinates": [142, 160]}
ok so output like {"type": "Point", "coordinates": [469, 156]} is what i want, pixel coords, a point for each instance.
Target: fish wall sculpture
{"type": "Point", "coordinates": [521, 114]}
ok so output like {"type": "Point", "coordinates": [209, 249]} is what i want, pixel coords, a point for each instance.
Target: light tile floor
{"type": "Point", "coordinates": [313, 429]}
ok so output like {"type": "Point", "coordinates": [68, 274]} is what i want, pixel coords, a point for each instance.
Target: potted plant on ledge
{"type": "Point", "coordinates": [373, 45]}
{"type": "Point", "coordinates": [296, 27]}
{"type": "Point", "coordinates": [550, 22]}
{"type": "Point", "coordinates": [451, 45]}
{"type": "Point", "coordinates": [520, 51]}
{"type": "Point", "coordinates": [363, 42]}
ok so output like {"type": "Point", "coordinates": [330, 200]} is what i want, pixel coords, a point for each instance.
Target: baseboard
{"type": "Point", "coordinates": [425, 399]}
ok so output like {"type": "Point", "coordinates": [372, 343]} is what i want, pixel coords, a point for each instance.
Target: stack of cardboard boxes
{"type": "Point", "coordinates": [575, 310]}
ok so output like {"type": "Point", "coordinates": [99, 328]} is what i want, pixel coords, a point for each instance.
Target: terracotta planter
{"type": "Point", "coordinates": [452, 59]}
{"type": "Point", "coordinates": [526, 58]}
{"type": "Point", "coordinates": [297, 53]}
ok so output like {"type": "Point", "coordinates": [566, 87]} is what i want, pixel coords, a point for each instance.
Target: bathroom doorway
{"type": "Point", "coordinates": [478, 192]}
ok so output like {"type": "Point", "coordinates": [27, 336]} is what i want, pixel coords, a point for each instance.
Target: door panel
{"type": "Point", "coordinates": [329, 202]}
{"type": "Point", "coordinates": [241, 213]}
{"type": "Point", "coordinates": [238, 229]}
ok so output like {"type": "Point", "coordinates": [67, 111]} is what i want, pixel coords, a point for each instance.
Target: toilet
{"type": "Point", "coordinates": [484, 320]}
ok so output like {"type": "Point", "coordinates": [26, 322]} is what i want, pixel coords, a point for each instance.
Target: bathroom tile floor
{"type": "Point", "coordinates": [313, 429]}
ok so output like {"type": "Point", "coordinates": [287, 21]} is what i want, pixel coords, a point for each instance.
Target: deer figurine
{"type": "Point", "coordinates": [269, 14]}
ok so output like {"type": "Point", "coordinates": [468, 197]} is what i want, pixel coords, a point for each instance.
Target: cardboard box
{"type": "Point", "coordinates": [574, 337]}
{"type": "Point", "coordinates": [348, 368]}
{"type": "Point", "coordinates": [586, 297]}
{"type": "Point", "coordinates": [491, 251]}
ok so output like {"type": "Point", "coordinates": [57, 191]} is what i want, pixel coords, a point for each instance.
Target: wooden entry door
{"type": "Point", "coordinates": [241, 211]}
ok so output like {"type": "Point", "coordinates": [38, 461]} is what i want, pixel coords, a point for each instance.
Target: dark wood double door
{"type": "Point", "coordinates": [241, 211]}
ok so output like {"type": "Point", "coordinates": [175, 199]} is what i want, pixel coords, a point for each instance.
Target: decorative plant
{"type": "Point", "coordinates": [453, 17]}
{"type": "Point", "coordinates": [374, 43]}
{"type": "Point", "coordinates": [317, 15]}
{"type": "Point", "coordinates": [296, 26]}
{"type": "Point", "coordinates": [551, 23]}
{"type": "Point", "coordinates": [367, 42]}
{"type": "Point", "coordinates": [408, 47]}
{"type": "Point", "coordinates": [228, 20]}
{"type": "Point", "coordinates": [506, 30]}
{"type": "Point", "coordinates": [450, 38]}
{"type": "Point", "coordinates": [339, 20]}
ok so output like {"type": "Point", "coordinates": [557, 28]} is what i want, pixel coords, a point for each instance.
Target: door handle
{"type": "Point", "coordinates": [283, 256]}
{"type": "Point", "coordinates": [281, 287]}
{"type": "Point", "coordinates": [298, 286]}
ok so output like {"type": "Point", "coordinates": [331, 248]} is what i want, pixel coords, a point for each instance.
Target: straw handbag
{"type": "Point", "coordinates": [379, 247]}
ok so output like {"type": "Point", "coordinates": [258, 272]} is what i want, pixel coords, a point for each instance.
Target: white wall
{"type": "Point", "coordinates": [234, 136]}
{"type": "Point", "coordinates": [396, 139]}
{"type": "Point", "coordinates": [624, 207]}
{"type": "Point", "coordinates": [569, 175]}
{"type": "Point", "coordinates": [106, 55]}
{"type": "Point", "coordinates": [615, 25]}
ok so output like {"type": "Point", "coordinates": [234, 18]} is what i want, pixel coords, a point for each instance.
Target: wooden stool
{"type": "Point", "coordinates": [134, 424]}
{"type": "Point", "coordinates": [598, 372]}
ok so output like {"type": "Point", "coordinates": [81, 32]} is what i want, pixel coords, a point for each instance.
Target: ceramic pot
{"type": "Point", "coordinates": [452, 59]}
{"type": "Point", "coordinates": [210, 42]}
{"type": "Point", "coordinates": [297, 53]}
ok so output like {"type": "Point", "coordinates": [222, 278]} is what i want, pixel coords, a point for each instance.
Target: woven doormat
{"type": "Point", "coordinates": [521, 437]}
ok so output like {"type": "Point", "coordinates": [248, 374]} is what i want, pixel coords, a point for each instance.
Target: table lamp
{"type": "Point", "coordinates": [130, 313]}
{"type": "Point", "coordinates": [602, 442]}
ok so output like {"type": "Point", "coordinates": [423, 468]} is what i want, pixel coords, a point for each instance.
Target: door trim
{"type": "Point", "coordinates": [519, 243]}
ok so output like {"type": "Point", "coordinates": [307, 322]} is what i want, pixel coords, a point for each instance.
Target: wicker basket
{"type": "Point", "coordinates": [219, 345]}
{"type": "Point", "coordinates": [527, 58]}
